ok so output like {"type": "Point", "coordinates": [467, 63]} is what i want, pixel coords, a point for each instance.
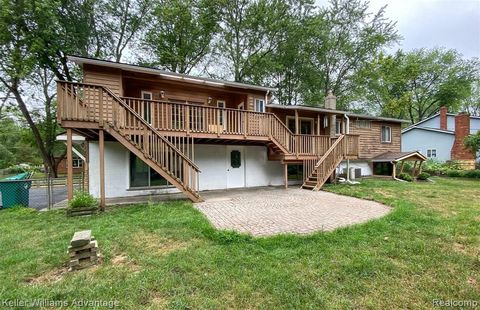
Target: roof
{"type": "Point", "coordinates": [397, 156]}
{"type": "Point", "coordinates": [320, 109]}
{"type": "Point", "coordinates": [448, 132]}
{"type": "Point", "coordinates": [429, 118]}
{"type": "Point", "coordinates": [79, 60]}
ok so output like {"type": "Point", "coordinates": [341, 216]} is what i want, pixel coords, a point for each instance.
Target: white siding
{"type": "Point", "coordinates": [211, 159]}
{"type": "Point", "coordinates": [422, 140]}
{"type": "Point", "coordinates": [364, 165]}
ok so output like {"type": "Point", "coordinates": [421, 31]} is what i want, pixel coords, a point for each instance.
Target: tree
{"type": "Point", "coordinates": [345, 38]}
{"type": "Point", "coordinates": [472, 103]}
{"type": "Point", "coordinates": [120, 23]}
{"type": "Point", "coordinates": [472, 142]}
{"type": "Point", "coordinates": [180, 34]}
{"type": "Point", "coordinates": [250, 32]}
{"type": "Point", "coordinates": [416, 84]}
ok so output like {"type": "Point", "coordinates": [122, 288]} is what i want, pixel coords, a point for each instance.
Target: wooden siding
{"type": "Point", "coordinates": [110, 78]}
{"type": "Point", "coordinates": [370, 138]}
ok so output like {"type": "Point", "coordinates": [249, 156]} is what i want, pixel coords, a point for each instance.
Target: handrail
{"type": "Point", "coordinates": [144, 122]}
{"type": "Point", "coordinates": [330, 150]}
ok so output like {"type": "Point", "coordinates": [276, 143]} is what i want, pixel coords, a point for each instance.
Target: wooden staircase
{"type": "Point", "coordinates": [326, 165]}
{"type": "Point", "coordinates": [97, 104]}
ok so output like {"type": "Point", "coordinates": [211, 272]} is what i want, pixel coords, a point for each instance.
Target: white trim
{"type": "Point", "coordinates": [389, 134]}
{"type": "Point", "coordinates": [242, 105]}
{"type": "Point", "coordinates": [311, 119]}
{"type": "Point", "coordinates": [221, 101]}
{"type": "Point", "coordinates": [187, 78]}
{"type": "Point", "coordinates": [264, 105]}
{"type": "Point", "coordinates": [428, 129]}
{"type": "Point", "coordinates": [143, 92]}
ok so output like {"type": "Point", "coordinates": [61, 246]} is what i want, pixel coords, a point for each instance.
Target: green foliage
{"type": "Point", "coordinates": [440, 168]}
{"type": "Point", "coordinates": [415, 84]}
{"type": "Point", "coordinates": [180, 33]}
{"type": "Point", "coordinates": [423, 176]}
{"type": "Point", "coordinates": [474, 174]}
{"type": "Point", "coordinates": [406, 177]}
{"type": "Point", "coordinates": [83, 200]}
{"type": "Point", "coordinates": [472, 142]}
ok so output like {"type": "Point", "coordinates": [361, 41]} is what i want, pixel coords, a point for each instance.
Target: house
{"type": "Point", "coordinates": [151, 132]}
{"type": "Point", "coordinates": [440, 137]}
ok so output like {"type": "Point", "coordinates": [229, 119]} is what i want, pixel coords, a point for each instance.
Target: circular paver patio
{"type": "Point", "coordinates": [270, 211]}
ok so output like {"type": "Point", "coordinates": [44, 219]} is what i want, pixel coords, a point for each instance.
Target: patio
{"type": "Point", "coordinates": [268, 211]}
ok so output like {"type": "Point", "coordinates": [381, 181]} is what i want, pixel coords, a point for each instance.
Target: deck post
{"type": "Point", "coordinates": [69, 165]}
{"type": "Point", "coordinates": [286, 175]}
{"type": "Point", "coordinates": [413, 170]}
{"type": "Point", "coordinates": [318, 124]}
{"type": "Point", "coordinates": [101, 148]}
{"type": "Point", "coordinates": [296, 123]}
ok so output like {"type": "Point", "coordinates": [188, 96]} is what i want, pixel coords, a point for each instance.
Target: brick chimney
{"type": "Point", "coordinates": [331, 103]}
{"type": "Point", "coordinates": [462, 130]}
{"type": "Point", "coordinates": [443, 118]}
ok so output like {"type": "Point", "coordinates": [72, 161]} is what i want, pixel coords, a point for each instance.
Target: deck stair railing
{"type": "Point", "coordinates": [150, 126]}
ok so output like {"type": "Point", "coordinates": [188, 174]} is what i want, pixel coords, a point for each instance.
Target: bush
{"type": "Point", "coordinates": [423, 176]}
{"type": "Point", "coordinates": [472, 174]}
{"type": "Point", "coordinates": [406, 177]}
{"type": "Point", "coordinates": [16, 169]}
{"type": "Point", "coordinates": [83, 200]}
{"type": "Point", "coordinates": [456, 173]}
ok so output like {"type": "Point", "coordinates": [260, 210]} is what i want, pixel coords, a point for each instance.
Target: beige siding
{"type": "Point", "coordinates": [370, 139]}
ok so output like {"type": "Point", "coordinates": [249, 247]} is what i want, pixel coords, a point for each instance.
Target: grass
{"type": "Point", "coordinates": [168, 256]}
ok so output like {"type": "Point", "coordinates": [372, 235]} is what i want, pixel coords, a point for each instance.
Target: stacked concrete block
{"type": "Point", "coordinates": [83, 250]}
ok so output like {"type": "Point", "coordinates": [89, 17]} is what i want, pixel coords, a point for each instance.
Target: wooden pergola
{"type": "Point", "coordinates": [395, 157]}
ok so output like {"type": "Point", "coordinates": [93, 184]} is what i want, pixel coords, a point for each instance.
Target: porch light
{"type": "Point", "coordinates": [209, 100]}
{"type": "Point", "coordinates": [162, 94]}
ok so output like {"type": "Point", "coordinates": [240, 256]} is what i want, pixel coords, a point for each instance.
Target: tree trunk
{"type": "Point", "coordinates": [36, 133]}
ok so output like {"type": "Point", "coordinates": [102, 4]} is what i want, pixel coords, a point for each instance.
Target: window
{"type": "Point", "coordinates": [77, 163]}
{"type": "Point", "coordinates": [338, 126]}
{"type": "Point", "coordinates": [306, 125]}
{"type": "Point", "coordinates": [221, 104]}
{"type": "Point", "coordinates": [361, 123]}
{"type": "Point", "coordinates": [235, 159]}
{"type": "Point", "coordinates": [295, 172]}
{"type": "Point", "coordinates": [146, 105]}
{"type": "Point", "coordinates": [431, 153]}
{"type": "Point", "coordinates": [259, 105]}
{"type": "Point", "coordinates": [386, 134]}
{"type": "Point", "coordinates": [141, 175]}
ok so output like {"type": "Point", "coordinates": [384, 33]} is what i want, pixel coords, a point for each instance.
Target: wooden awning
{"type": "Point", "coordinates": [399, 156]}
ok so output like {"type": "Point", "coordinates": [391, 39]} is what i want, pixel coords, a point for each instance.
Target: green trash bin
{"type": "Point", "coordinates": [15, 190]}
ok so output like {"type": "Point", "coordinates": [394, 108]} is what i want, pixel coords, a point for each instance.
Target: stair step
{"type": "Point", "coordinates": [306, 186]}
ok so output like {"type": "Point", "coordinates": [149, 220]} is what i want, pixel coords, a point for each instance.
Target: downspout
{"type": "Point", "coordinates": [347, 131]}
{"type": "Point", "coordinates": [266, 99]}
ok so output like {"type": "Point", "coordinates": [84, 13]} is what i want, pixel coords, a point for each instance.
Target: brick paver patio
{"type": "Point", "coordinates": [269, 211]}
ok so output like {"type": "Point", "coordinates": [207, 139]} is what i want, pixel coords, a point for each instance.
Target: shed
{"type": "Point", "coordinates": [386, 163]}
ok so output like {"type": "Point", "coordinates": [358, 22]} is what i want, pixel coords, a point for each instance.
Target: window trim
{"type": "Point", "coordinates": [255, 104]}
{"type": "Point", "coordinates": [338, 121]}
{"type": "Point", "coordinates": [431, 153]}
{"type": "Point", "coordinates": [79, 162]}
{"type": "Point", "coordinates": [310, 119]}
{"type": "Point", "coordinates": [389, 134]}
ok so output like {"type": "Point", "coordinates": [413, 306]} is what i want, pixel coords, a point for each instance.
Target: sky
{"type": "Point", "coordinates": [434, 23]}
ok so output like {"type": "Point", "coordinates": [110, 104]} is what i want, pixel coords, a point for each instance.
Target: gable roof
{"type": "Point", "coordinates": [397, 156]}
{"type": "Point", "coordinates": [80, 60]}
{"type": "Point", "coordinates": [431, 117]}
{"type": "Point", "coordinates": [322, 109]}
{"type": "Point", "coordinates": [449, 132]}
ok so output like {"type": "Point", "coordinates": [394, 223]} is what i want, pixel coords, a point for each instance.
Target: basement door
{"type": "Point", "coordinates": [235, 166]}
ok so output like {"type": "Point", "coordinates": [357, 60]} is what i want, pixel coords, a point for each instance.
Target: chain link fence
{"type": "Point", "coordinates": [38, 193]}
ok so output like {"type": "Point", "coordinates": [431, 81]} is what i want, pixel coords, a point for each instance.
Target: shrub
{"type": "Point", "coordinates": [456, 173]}
{"type": "Point", "coordinates": [83, 200]}
{"type": "Point", "coordinates": [16, 169]}
{"type": "Point", "coordinates": [472, 174]}
{"type": "Point", "coordinates": [406, 177]}
{"type": "Point", "coordinates": [423, 176]}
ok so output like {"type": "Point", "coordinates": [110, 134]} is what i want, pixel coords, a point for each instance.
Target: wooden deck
{"type": "Point", "coordinates": [148, 128]}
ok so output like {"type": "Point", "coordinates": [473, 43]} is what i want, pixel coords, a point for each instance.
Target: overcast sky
{"type": "Point", "coordinates": [430, 23]}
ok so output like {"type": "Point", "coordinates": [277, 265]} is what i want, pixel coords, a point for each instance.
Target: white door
{"type": "Point", "coordinates": [235, 166]}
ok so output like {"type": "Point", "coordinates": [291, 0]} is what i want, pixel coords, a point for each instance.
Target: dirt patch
{"type": "Point", "coordinates": [49, 277]}
{"type": "Point", "coordinates": [158, 300]}
{"type": "Point", "coordinates": [157, 245]}
{"type": "Point", "coordinates": [123, 260]}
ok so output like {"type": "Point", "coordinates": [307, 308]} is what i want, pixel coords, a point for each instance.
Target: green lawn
{"type": "Point", "coordinates": [168, 255]}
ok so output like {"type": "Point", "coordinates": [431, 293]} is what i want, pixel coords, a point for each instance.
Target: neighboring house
{"type": "Point", "coordinates": [441, 136]}
{"type": "Point", "coordinates": [150, 132]}
{"type": "Point", "coordinates": [77, 166]}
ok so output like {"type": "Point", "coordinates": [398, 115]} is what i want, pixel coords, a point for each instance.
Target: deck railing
{"type": "Point", "coordinates": [93, 103]}
{"type": "Point", "coordinates": [89, 104]}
